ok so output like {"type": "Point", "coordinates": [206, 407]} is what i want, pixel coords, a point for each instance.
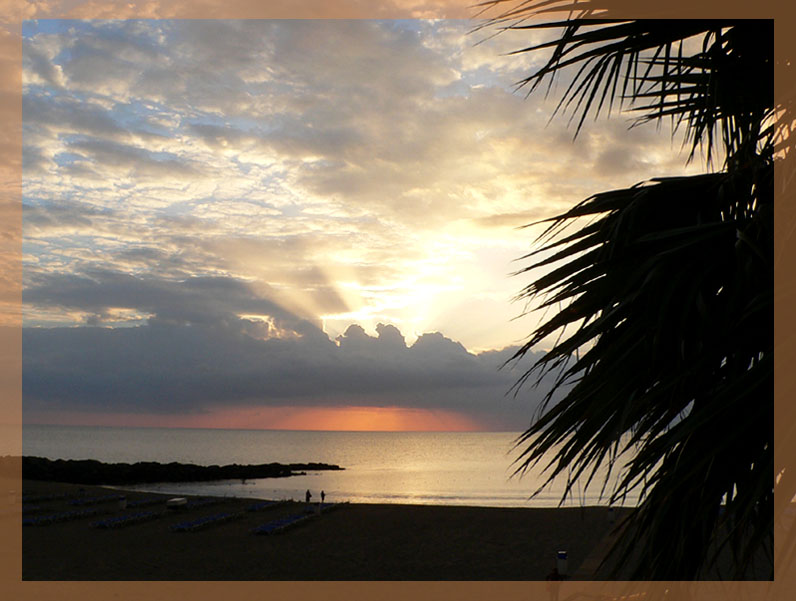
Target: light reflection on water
{"type": "Point", "coordinates": [450, 468]}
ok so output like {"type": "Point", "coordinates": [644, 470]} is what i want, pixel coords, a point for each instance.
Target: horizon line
{"type": "Point", "coordinates": [408, 431]}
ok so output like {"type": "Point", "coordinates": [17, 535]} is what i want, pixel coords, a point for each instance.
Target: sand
{"type": "Point", "coordinates": [351, 542]}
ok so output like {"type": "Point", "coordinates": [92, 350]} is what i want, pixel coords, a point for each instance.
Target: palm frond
{"type": "Point", "coordinates": [723, 90]}
{"type": "Point", "coordinates": [670, 292]}
{"type": "Point", "coordinates": [664, 352]}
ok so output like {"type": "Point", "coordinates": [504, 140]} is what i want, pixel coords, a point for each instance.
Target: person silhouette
{"type": "Point", "coordinates": [323, 496]}
{"type": "Point", "coordinates": [308, 496]}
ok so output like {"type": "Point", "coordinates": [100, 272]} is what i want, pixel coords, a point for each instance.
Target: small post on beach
{"type": "Point", "coordinates": [561, 563]}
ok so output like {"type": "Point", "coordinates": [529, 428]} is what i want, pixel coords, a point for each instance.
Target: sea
{"type": "Point", "coordinates": [422, 468]}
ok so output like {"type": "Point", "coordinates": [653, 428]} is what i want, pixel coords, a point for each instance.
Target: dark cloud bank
{"type": "Point", "coordinates": [195, 353]}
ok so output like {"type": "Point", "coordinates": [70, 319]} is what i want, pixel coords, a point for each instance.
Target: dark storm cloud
{"type": "Point", "coordinates": [191, 301]}
{"type": "Point", "coordinates": [178, 369]}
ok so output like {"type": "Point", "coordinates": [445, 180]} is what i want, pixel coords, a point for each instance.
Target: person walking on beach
{"type": "Point", "coordinates": [308, 496]}
{"type": "Point", "coordinates": [323, 497]}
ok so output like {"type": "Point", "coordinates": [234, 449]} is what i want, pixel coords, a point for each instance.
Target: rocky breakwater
{"type": "Point", "coordinates": [90, 471]}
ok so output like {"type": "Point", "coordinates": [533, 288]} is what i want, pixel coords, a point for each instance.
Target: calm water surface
{"type": "Point", "coordinates": [451, 468]}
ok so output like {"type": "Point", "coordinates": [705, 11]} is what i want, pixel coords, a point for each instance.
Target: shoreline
{"type": "Point", "coordinates": [355, 541]}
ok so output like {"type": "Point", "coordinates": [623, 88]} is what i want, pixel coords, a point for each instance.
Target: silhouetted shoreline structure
{"type": "Point", "coordinates": [90, 471]}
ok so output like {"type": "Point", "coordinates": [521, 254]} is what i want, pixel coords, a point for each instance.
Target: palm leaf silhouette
{"type": "Point", "coordinates": [665, 333]}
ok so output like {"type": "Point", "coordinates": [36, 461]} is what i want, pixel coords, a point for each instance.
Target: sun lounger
{"type": "Point", "coordinates": [203, 522]}
{"type": "Point", "coordinates": [63, 516]}
{"type": "Point", "coordinates": [120, 521]}
{"type": "Point", "coordinates": [95, 500]}
{"type": "Point", "coordinates": [279, 525]}
{"type": "Point", "coordinates": [262, 505]}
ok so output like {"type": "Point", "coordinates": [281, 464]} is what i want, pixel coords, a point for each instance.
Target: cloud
{"type": "Point", "coordinates": [38, 68]}
{"type": "Point", "coordinates": [195, 300]}
{"type": "Point", "coordinates": [107, 58]}
{"type": "Point", "coordinates": [518, 219]}
{"type": "Point", "coordinates": [61, 214]}
{"type": "Point", "coordinates": [34, 160]}
{"type": "Point", "coordinates": [348, 171]}
{"type": "Point", "coordinates": [67, 115]}
{"type": "Point", "coordinates": [142, 161]}
{"type": "Point", "coordinates": [372, 124]}
{"type": "Point", "coordinates": [168, 369]}
{"type": "Point", "coordinates": [209, 344]}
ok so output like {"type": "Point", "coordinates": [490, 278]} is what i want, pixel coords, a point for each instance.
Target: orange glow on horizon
{"type": "Point", "coordinates": [353, 419]}
{"type": "Point", "coordinates": [375, 419]}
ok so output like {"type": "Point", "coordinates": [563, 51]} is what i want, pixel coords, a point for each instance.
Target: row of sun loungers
{"type": "Point", "coordinates": [120, 521]}
{"type": "Point", "coordinates": [62, 516]}
{"type": "Point", "coordinates": [281, 524]}
{"type": "Point", "coordinates": [145, 502]}
{"type": "Point", "coordinates": [47, 497]}
{"type": "Point", "coordinates": [194, 503]}
{"type": "Point", "coordinates": [329, 506]}
{"type": "Point", "coordinates": [204, 522]}
{"type": "Point", "coordinates": [95, 500]}
{"type": "Point", "coordinates": [263, 505]}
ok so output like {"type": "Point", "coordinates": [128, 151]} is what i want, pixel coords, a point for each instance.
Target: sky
{"type": "Point", "coordinates": [292, 224]}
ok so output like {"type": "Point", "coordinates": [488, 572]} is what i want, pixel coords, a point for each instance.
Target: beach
{"type": "Point", "coordinates": [346, 541]}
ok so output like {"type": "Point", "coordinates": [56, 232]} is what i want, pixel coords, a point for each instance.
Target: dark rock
{"type": "Point", "coordinates": [90, 471]}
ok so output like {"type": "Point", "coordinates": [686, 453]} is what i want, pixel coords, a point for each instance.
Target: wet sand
{"type": "Point", "coordinates": [349, 542]}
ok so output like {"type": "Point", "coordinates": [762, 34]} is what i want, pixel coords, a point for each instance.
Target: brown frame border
{"type": "Point", "coordinates": [10, 304]}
